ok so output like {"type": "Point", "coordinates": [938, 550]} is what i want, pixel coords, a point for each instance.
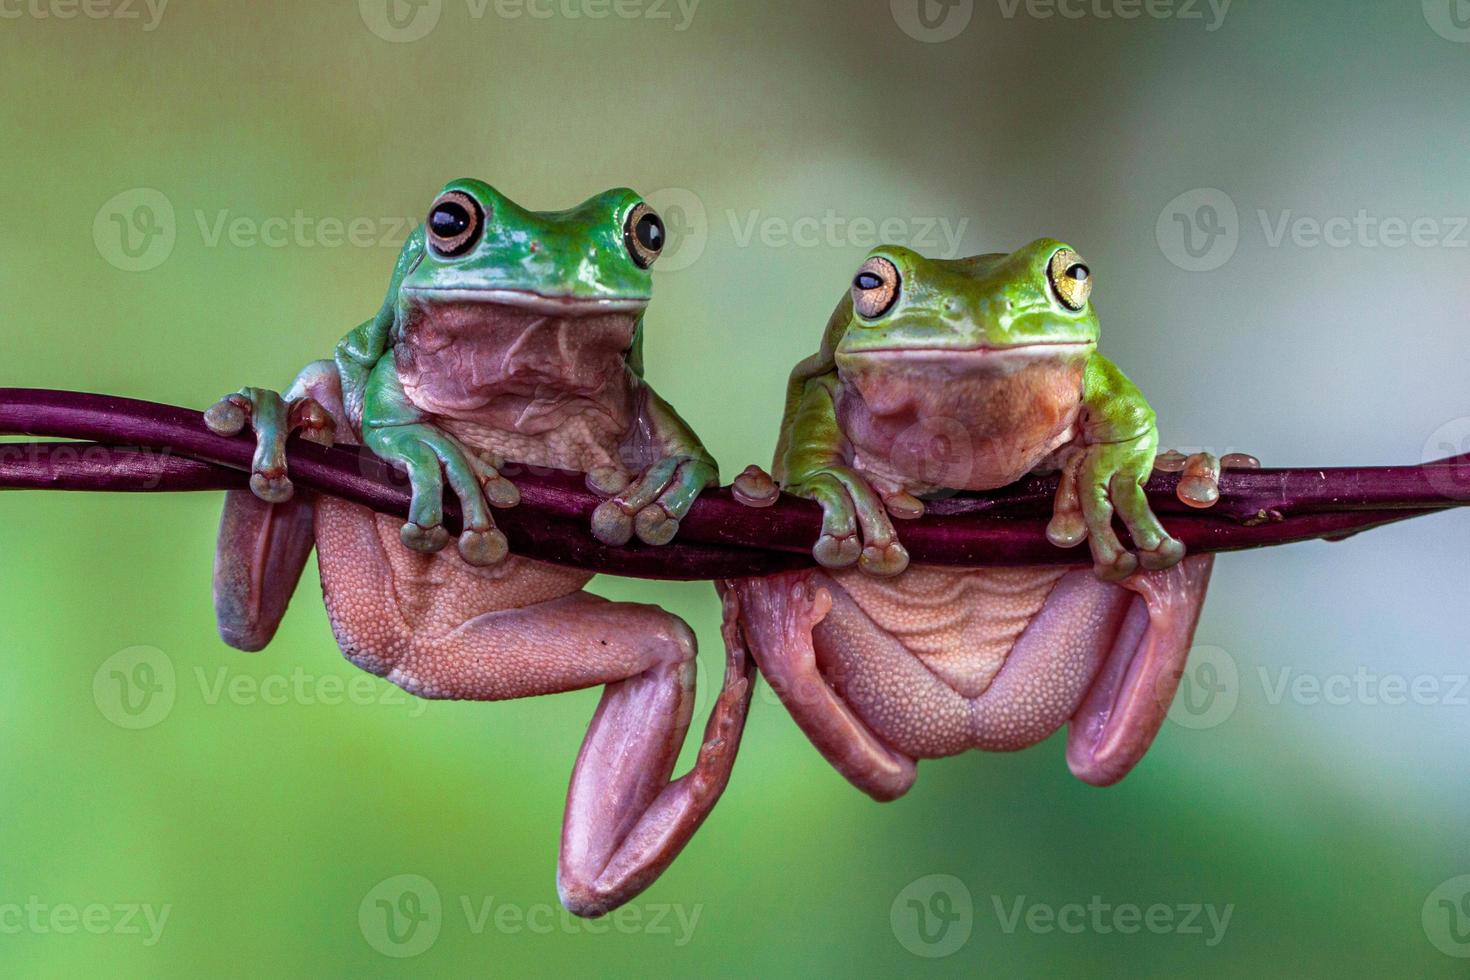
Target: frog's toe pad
{"type": "Point", "coordinates": [487, 547]}
{"type": "Point", "coordinates": [500, 492]}
{"type": "Point", "coordinates": [608, 481]}
{"type": "Point", "coordinates": [831, 551]}
{"type": "Point", "coordinates": [272, 489]}
{"type": "Point", "coordinates": [1067, 529]}
{"type": "Point", "coordinates": [611, 524]}
{"type": "Point", "coordinates": [755, 488]}
{"type": "Point", "coordinates": [225, 418]}
{"type": "Point", "coordinates": [1122, 566]}
{"type": "Point", "coordinates": [885, 559]}
{"type": "Point", "coordinates": [1169, 553]}
{"type": "Point", "coordinates": [426, 539]}
{"type": "Point", "coordinates": [654, 525]}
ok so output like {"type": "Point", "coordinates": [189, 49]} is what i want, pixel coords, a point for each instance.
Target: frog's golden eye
{"type": "Point", "coordinates": [643, 233]}
{"type": "Point", "coordinates": [875, 287]}
{"type": "Point", "coordinates": [454, 223]}
{"type": "Point", "coordinates": [1071, 278]}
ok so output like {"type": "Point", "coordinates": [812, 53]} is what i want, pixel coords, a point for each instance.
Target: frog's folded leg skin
{"type": "Point", "coordinates": [508, 337]}
{"type": "Point", "coordinates": [966, 375]}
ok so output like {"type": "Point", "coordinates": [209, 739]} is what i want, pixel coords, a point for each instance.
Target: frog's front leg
{"type": "Point", "coordinates": [393, 428]}
{"type": "Point", "coordinates": [1103, 474]}
{"type": "Point", "coordinates": [265, 534]}
{"type": "Point", "coordinates": [1131, 693]}
{"type": "Point", "coordinates": [652, 503]}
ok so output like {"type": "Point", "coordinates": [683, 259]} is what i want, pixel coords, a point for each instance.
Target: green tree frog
{"type": "Point", "coordinates": [507, 336]}
{"type": "Point", "coordinates": [993, 359]}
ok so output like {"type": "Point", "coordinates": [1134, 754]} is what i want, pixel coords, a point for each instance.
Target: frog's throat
{"type": "Point", "coordinates": [558, 304]}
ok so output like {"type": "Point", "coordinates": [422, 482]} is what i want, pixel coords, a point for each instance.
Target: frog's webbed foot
{"type": "Point", "coordinates": [431, 458]}
{"type": "Point", "coordinates": [1098, 481]}
{"type": "Point", "coordinates": [652, 505]}
{"type": "Point", "coordinates": [273, 419]}
{"type": "Point", "coordinates": [856, 529]}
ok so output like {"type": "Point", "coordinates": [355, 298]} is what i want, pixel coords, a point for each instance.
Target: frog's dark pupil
{"type": "Point", "coordinates": [867, 280]}
{"type": "Point", "coordinates": [1079, 272]}
{"type": "Point", "coordinates": [650, 232]}
{"type": "Point", "coordinates": [449, 220]}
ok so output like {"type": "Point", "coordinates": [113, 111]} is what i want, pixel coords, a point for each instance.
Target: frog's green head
{"type": "Point", "coordinates": [520, 298]}
{"type": "Point", "coordinates": [1032, 302]}
{"type": "Point", "coordinates": [479, 244]}
{"type": "Point", "coordinates": [990, 349]}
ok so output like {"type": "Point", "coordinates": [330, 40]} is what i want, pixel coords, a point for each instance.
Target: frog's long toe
{"type": "Point", "coordinates": [755, 488]}
{"type": "Point", "coordinates": [1117, 568]}
{"type": "Point", "coordinates": [654, 525]}
{"type": "Point", "coordinates": [1166, 554]}
{"type": "Point", "coordinates": [889, 558]}
{"type": "Point", "coordinates": [483, 547]}
{"type": "Point", "coordinates": [273, 488]}
{"type": "Point", "coordinates": [1199, 481]}
{"type": "Point", "coordinates": [837, 551]}
{"type": "Point", "coordinates": [611, 524]}
{"type": "Point", "coordinates": [425, 539]}
{"type": "Point", "coordinates": [226, 417]}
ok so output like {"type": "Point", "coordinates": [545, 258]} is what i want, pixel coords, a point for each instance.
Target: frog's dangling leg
{"type": "Point", "coordinates": [776, 616]}
{"type": "Point", "coordinates": [262, 547]}
{"type": "Point", "coordinates": [1122, 711]}
{"type": "Point", "coordinates": [443, 629]}
{"type": "Point", "coordinates": [625, 822]}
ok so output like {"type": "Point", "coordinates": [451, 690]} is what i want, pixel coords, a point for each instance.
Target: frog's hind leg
{"type": "Point", "coordinates": [440, 628]}
{"type": "Point", "coordinates": [776, 617]}
{"type": "Point", "coordinates": [1131, 694]}
{"type": "Point", "coordinates": [262, 547]}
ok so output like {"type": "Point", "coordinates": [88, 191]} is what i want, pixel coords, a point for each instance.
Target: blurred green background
{"type": "Point", "coordinates": [210, 194]}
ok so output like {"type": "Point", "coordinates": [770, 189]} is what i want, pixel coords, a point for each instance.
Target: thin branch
{"type": "Point", "coordinates": [142, 446]}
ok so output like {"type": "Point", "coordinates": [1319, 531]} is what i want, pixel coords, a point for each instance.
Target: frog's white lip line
{"type": "Point", "coordinates": [527, 300]}
{"type": "Point", "coordinates": [982, 349]}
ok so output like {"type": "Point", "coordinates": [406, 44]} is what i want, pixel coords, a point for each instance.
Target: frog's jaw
{"type": "Point", "coordinates": [559, 304]}
{"type": "Point", "coordinates": [458, 355]}
{"type": "Point", "coordinates": [972, 419]}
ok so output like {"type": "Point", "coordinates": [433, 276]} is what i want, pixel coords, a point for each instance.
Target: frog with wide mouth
{"type": "Point", "coordinates": [508, 338]}
{"type": "Point", "coordinates": [937, 376]}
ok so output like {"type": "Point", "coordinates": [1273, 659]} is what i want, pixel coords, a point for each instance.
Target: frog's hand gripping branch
{"type": "Point", "coordinates": [1104, 475]}
{"type": "Point", "coordinates": [263, 546]}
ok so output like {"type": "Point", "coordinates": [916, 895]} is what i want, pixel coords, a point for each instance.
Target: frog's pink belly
{"type": "Point", "coordinates": [940, 660]}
